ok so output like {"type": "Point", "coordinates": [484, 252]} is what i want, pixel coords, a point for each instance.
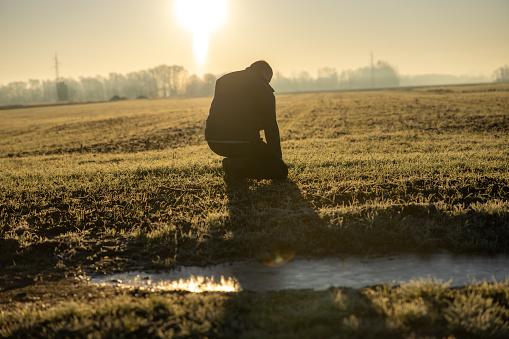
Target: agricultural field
{"type": "Point", "coordinates": [117, 186]}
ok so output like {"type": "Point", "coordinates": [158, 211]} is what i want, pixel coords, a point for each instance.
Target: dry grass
{"type": "Point", "coordinates": [420, 309]}
{"type": "Point", "coordinates": [370, 172]}
{"type": "Point", "coordinates": [112, 186]}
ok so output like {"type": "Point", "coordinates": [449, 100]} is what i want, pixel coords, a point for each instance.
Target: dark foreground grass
{"type": "Point", "coordinates": [420, 309]}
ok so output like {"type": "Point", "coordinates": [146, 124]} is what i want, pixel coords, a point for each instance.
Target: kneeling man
{"type": "Point", "coordinates": [243, 105]}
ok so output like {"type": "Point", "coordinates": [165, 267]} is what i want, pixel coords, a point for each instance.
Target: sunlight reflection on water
{"type": "Point", "coordinates": [317, 274]}
{"type": "Point", "coordinates": [192, 284]}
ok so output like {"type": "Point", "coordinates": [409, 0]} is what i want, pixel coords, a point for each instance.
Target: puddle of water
{"type": "Point", "coordinates": [317, 274]}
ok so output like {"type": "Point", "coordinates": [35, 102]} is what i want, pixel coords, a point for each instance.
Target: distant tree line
{"type": "Point", "coordinates": [175, 81]}
{"type": "Point", "coordinates": [380, 75]}
{"type": "Point", "coordinates": [159, 82]}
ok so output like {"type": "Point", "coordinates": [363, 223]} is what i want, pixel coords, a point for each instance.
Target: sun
{"type": "Point", "coordinates": [201, 17]}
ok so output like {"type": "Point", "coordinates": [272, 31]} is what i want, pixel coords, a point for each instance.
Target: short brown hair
{"type": "Point", "coordinates": [261, 65]}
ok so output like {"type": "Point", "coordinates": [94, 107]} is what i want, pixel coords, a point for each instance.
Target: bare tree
{"type": "Point", "coordinates": [502, 74]}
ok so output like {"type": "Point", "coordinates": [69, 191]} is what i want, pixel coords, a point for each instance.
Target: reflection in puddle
{"type": "Point", "coordinates": [317, 274]}
{"type": "Point", "coordinates": [192, 284]}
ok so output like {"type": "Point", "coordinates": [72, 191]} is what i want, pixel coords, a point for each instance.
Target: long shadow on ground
{"type": "Point", "coordinates": [271, 220]}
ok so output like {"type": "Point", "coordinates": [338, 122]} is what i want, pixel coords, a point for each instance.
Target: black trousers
{"type": "Point", "coordinates": [260, 161]}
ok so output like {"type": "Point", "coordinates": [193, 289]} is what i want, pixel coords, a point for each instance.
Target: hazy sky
{"type": "Point", "coordinates": [96, 37]}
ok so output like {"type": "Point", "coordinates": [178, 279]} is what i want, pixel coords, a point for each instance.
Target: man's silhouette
{"type": "Point", "coordinates": [243, 105]}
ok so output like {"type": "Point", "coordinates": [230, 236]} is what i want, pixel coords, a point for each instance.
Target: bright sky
{"type": "Point", "coordinates": [96, 37]}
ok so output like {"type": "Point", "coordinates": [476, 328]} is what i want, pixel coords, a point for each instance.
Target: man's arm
{"type": "Point", "coordinates": [268, 112]}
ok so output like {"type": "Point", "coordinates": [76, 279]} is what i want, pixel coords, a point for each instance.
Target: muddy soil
{"type": "Point", "coordinates": [21, 290]}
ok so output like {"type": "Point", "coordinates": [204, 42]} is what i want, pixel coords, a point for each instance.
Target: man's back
{"type": "Point", "coordinates": [242, 104]}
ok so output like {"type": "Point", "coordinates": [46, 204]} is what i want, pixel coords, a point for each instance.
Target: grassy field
{"type": "Point", "coordinates": [121, 185]}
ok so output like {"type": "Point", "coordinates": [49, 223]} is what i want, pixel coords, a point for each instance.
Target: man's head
{"type": "Point", "coordinates": [263, 68]}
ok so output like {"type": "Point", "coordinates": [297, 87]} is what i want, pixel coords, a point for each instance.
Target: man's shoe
{"type": "Point", "coordinates": [233, 168]}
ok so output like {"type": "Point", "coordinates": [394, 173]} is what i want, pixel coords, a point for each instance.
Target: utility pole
{"type": "Point", "coordinates": [56, 68]}
{"type": "Point", "coordinates": [62, 89]}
